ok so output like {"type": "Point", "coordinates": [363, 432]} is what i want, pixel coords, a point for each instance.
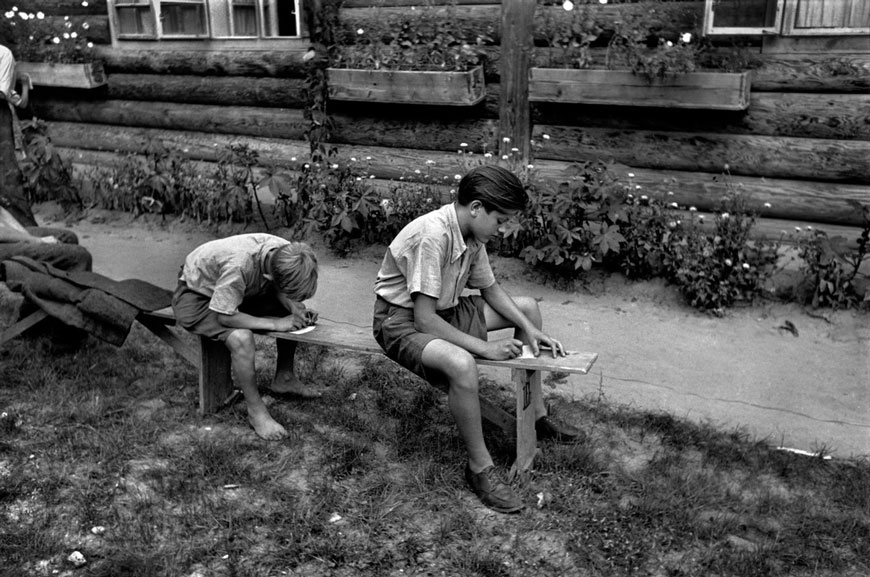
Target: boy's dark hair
{"type": "Point", "coordinates": [495, 187]}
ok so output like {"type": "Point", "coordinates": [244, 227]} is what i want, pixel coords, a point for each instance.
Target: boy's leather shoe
{"type": "Point", "coordinates": [548, 428]}
{"type": "Point", "coordinates": [492, 490]}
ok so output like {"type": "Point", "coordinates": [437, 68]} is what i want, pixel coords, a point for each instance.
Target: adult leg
{"type": "Point", "coordinates": [69, 257]}
{"type": "Point", "coordinates": [286, 382]}
{"type": "Point", "coordinates": [242, 348]}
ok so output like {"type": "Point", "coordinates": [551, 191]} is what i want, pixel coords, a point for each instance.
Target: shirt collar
{"type": "Point", "coordinates": [459, 245]}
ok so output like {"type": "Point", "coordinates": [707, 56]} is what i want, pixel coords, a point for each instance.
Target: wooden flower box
{"type": "Point", "coordinates": [408, 86]}
{"type": "Point", "coordinates": [85, 75]}
{"type": "Point", "coordinates": [706, 90]}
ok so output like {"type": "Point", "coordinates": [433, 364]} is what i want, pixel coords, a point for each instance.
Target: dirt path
{"type": "Point", "coordinates": [809, 391]}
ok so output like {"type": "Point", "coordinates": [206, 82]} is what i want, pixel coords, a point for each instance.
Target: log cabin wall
{"type": "Point", "coordinates": [802, 145]}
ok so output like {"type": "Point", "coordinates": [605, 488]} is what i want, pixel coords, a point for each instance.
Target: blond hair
{"type": "Point", "coordinates": [294, 270]}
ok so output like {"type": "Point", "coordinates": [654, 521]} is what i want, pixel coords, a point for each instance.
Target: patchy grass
{"type": "Point", "coordinates": [102, 452]}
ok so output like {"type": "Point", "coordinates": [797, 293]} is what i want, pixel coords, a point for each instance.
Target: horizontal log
{"type": "Point", "coordinates": [837, 116]}
{"type": "Point", "coordinates": [86, 76]}
{"type": "Point", "coordinates": [62, 7]}
{"type": "Point", "coordinates": [448, 88]}
{"type": "Point", "coordinates": [276, 63]}
{"type": "Point", "coordinates": [789, 199]}
{"type": "Point", "coordinates": [487, 109]}
{"type": "Point", "coordinates": [414, 3]}
{"type": "Point", "coordinates": [223, 90]}
{"type": "Point", "coordinates": [236, 120]}
{"type": "Point", "coordinates": [749, 155]}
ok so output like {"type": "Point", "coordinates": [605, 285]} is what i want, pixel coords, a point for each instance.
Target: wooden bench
{"type": "Point", "coordinates": [212, 360]}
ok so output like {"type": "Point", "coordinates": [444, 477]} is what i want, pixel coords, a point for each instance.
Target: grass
{"type": "Point", "coordinates": [102, 452]}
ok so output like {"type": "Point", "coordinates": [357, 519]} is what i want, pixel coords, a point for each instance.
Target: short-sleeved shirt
{"type": "Point", "coordinates": [231, 269]}
{"type": "Point", "coordinates": [430, 256]}
{"type": "Point", "coordinates": [7, 76]}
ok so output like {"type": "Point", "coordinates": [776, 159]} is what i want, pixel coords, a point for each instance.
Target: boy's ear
{"type": "Point", "coordinates": [474, 207]}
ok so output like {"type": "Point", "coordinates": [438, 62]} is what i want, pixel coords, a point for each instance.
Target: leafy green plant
{"type": "Point", "coordinates": [649, 228]}
{"type": "Point", "coordinates": [431, 38]}
{"type": "Point", "coordinates": [34, 37]}
{"type": "Point", "coordinates": [571, 37]}
{"type": "Point", "coordinates": [635, 45]}
{"type": "Point", "coordinates": [831, 270]}
{"type": "Point", "coordinates": [573, 223]}
{"type": "Point", "coordinates": [47, 175]}
{"type": "Point", "coordinates": [715, 269]}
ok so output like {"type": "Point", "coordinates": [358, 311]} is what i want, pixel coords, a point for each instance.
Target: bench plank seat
{"type": "Point", "coordinates": [215, 382]}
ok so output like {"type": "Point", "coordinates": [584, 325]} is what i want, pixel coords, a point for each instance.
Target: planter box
{"type": "Point", "coordinates": [707, 90]}
{"type": "Point", "coordinates": [88, 75]}
{"type": "Point", "coordinates": [408, 86]}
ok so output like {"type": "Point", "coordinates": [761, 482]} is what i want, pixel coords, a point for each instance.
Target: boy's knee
{"type": "Point", "coordinates": [461, 370]}
{"type": "Point", "coordinates": [241, 342]}
{"type": "Point", "coordinates": [528, 306]}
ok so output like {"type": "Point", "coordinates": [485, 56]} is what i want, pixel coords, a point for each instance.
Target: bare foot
{"type": "Point", "coordinates": [289, 384]}
{"type": "Point", "coordinates": [265, 426]}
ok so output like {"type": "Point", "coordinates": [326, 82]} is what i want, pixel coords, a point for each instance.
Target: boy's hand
{"type": "Point", "coordinates": [539, 341]}
{"type": "Point", "coordinates": [503, 350]}
{"type": "Point", "coordinates": [289, 323]}
{"type": "Point", "coordinates": [310, 317]}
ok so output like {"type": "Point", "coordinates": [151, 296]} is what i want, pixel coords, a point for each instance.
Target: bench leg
{"type": "Point", "coordinates": [31, 320]}
{"type": "Point", "coordinates": [215, 375]}
{"type": "Point", "coordinates": [528, 391]}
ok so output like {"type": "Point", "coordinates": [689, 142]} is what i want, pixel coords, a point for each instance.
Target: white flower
{"type": "Point", "coordinates": [293, 158]}
{"type": "Point", "coordinates": [686, 37]}
{"type": "Point", "coordinates": [40, 16]}
{"type": "Point", "coordinates": [73, 35]}
{"type": "Point", "coordinates": [334, 166]}
{"type": "Point", "coordinates": [728, 262]}
{"type": "Point", "coordinates": [416, 171]}
{"type": "Point", "coordinates": [463, 144]}
{"type": "Point", "coordinates": [692, 209]}
{"type": "Point", "coordinates": [767, 205]}
{"type": "Point", "coordinates": [644, 197]}
{"type": "Point", "coordinates": [487, 155]}
{"type": "Point", "coordinates": [90, 44]}
{"type": "Point", "coordinates": [672, 224]}
{"type": "Point", "coordinates": [602, 1]}
{"type": "Point", "coordinates": [637, 187]}
{"type": "Point", "coordinates": [669, 43]}
{"type": "Point", "coordinates": [371, 176]}
{"type": "Point", "coordinates": [430, 162]}
{"type": "Point", "coordinates": [85, 25]}
{"type": "Point", "coordinates": [746, 265]}
{"type": "Point", "coordinates": [568, 5]}
{"type": "Point", "coordinates": [360, 31]}
{"type": "Point", "coordinates": [506, 139]}
{"type": "Point", "coordinates": [531, 166]}
{"type": "Point", "coordinates": [515, 149]}
{"type": "Point", "coordinates": [674, 205]}
{"type": "Point", "coordinates": [546, 137]}
{"type": "Point", "coordinates": [85, 3]}
{"type": "Point", "coordinates": [457, 176]}
{"type": "Point", "coordinates": [505, 157]}
{"type": "Point", "coordinates": [725, 215]}
{"type": "Point", "coordinates": [368, 157]}
{"type": "Point", "coordinates": [630, 175]}
{"type": "Point", "coordinates": [809, 227]}
{"type": "Point", "coordinates": [9, 14]}
{"type": "Point", "coordinates": [56, 40]}
{"type": "Point", "coordinates": [359, 179]}
{"type": "Point", "coordinates": [797, 229]}
{"type": "Point", "coordinates": [670, 193]}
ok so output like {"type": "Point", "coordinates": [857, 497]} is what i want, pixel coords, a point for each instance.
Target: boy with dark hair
{"type": "Point", "coordinates": [422, 321]}
{"type": "Point", "coordinates": [250, 282]}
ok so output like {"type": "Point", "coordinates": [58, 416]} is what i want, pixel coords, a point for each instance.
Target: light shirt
{"type": "Point", "coordinates": [430, 256]}
{"type": "Point", "coordinates": [7, 76]}
{"type": "Point", "coordinates": [230, 269]}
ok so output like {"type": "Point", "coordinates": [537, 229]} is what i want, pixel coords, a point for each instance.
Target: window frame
{"type": "Point", "coordinates": [784, 24]}
{"type": "Point", "coordinates": [207, 40]}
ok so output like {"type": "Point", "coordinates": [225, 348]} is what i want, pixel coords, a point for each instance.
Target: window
{"type": "Point", "coordinates": [204, 19]}
{"type": "Point", "coordinates": [787, 17]}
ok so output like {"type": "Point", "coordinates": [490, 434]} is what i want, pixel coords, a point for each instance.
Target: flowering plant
{"type": "Point", "coordinates": [35, 37]}
{"type": "Point", "coordinates": [429, 39]}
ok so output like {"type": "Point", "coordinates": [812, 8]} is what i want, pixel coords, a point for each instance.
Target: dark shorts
{"type": "Point", "coordinates": [393, 328]}
{"type": "Point", "coordinates": [192, 312]}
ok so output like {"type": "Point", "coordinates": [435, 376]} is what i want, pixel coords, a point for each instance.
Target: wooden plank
{"type": "Point", "coordinates": [448, 88]}
{"type": "Point", "coordinates": [64, 75]}
{"type": "Point", "coordinates": [527, 387]}
{"type": "Point", "coordinates": [514, 127]}
{"type": "Point", "coordinates": [361, 340]}
{"type": "Point", "coordinates": [215, 375]}
{"type": "Point", "coordinates": [31, 320]}
{"type": "Point", "coordinates": [157, 325]}
{"type": "Point", "coordinates": [702, 90]}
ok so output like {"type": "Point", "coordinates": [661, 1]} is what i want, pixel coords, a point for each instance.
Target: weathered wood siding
{"type": "Point", "coordinates": [803, 145]}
